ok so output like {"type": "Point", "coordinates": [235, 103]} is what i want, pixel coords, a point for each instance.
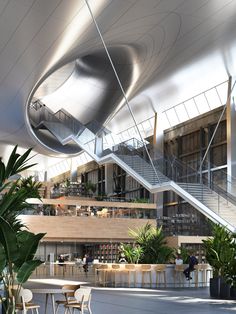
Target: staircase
{"type": "Point", "coordinates": [144, 169]}
{"type": "Point", "coordinates": [158, 176]}
{"type": "Point", "coordinates": [218, 204]}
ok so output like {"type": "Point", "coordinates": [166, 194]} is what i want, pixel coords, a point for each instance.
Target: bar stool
{"type": "Point", "coordinates": [102, 274]}
{"type": "Point", "coordinates": [160, 270]}
{"type": "Point", "coordinates": [131, 269]}
{"type": "Point", "coordinates": [178, 272]}
{"type": "Point", "coordinates": [201, 268]}
{"type": "Point", "coordinates": [146, 269]}
{"type": "Point", "coordinates": [96, 273]}
{"type": "Point", "coordinates": [115, 269]}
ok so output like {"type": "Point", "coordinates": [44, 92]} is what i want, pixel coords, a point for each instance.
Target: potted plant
{"type": "Point", "coordinates": [90, 188]}
{"type": "Point", "coordinates": [231, 277]}
{"type": "Point", "coordinates": [17, 245]}
{"type": "Point", "coordinates": [220, 253]}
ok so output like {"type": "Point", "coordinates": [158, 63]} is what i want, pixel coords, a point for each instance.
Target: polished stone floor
{"type": "Point", "coordinates": [137, 301]}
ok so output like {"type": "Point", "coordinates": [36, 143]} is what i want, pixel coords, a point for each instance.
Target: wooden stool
{"type": "Point", "coordinates": [146, 269]}
{"type": "Point", "coordinates": [160, 270]}
{"type": "Point", "coordinates": [203, 269]}
{"type": "Point", "coordinates": [115, 269]}
{"type": "Point", "coordinates": [130, 268]}
{"type": "Point", "coordinates": [96, 273]}
{"type": "Point", "coordinates": [178, 271]}
{"type": "Point", "coordinates": [102, 271]}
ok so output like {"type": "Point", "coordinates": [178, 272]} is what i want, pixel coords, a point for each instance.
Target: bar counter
{"type": "Point", "coordinates": [129, 275]}
{"type": "Point", "coordinates": [151, 276]}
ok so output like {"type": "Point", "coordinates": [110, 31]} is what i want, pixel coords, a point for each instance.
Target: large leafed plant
{"type": "Point", "coordinates": [221, 251]}
{"type": "Point", "coordinates": [17, 245]}
{"type": "Point", "coordinates": [152, 244]}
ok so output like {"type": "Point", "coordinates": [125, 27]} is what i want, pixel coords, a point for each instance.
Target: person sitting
{"type": "Point", "coordinates": [61, 260]}
{"type": "Point", "coordinates": [191, 266]}
{"type": "Point", "coordinates": [88, 260]}
{"type": "Point", "coordinates": [178, 260]}
{"type": "Point", "coordinates": [122, 259]}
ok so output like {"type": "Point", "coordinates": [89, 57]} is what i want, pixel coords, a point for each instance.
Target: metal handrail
{"type": "Point", "coordinates": [204, 181]}
{"type": "Point", "coordinates": [174, 169]}
{"type": "Point", "coordinates": [230, 182]}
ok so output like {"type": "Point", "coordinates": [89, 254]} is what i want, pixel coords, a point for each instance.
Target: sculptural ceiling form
{"type": "Point", "coordinates": [164, 51]}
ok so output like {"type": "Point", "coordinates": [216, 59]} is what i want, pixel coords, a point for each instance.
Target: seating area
{"type": "Point", "coordinates": [69, 296]}
{"type": "Point", "coordinates": [82, 301]}
{"type": "Point", "coordinates": [140, 301]}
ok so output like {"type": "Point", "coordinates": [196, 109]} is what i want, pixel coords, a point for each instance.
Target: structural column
{"type": "Point", "coordinates": [109, 179]}
{"type": "Point", "coordinates": [231, 136]}
{"type": "Point", "coordinates": [73, 170]}
{"type": "Point", "coordinates": [158, 142]}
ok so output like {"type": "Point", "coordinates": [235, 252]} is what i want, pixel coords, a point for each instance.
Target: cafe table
{"type": "Point", "coordinates": [50, 292]}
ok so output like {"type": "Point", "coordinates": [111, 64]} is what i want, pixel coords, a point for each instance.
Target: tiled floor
{"type": "Point", "coordinates": [137, 301]}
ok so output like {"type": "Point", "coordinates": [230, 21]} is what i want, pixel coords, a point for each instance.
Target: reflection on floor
{"type": "Point", "coordinates": [137, 301]}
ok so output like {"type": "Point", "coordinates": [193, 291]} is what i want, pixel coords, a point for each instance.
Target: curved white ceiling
{"type": "Point", "coordinates": [173, 49]}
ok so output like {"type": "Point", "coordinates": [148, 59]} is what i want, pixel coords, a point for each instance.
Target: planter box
{"type": "Point", "coordinates": [219, 289]}
{"type": "Point", "coordinates": [224, 290]}
{"type": "Point", "coordinates": [233, 293]}
{"type": "Point", "coordinates": [215, 287]}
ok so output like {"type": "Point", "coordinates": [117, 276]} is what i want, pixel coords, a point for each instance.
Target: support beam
{"type": "Point", "coordinates": [231, 138]}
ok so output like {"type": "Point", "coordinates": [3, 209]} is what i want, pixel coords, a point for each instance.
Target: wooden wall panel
{"type": "Point", "coordinates": [83, 229]}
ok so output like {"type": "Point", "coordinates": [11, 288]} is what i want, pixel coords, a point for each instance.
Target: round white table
{"type": "Point", "coordinates": [50, 292]}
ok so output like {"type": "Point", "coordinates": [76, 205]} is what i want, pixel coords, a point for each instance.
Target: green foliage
{"type": "Point", "coordinates": [90, 187]}
{"type": "Point", "coordinates": [220, 251]}
{"type": "Point", "coordinates": [132, 253]}
{"type": "Point", "coordinates": [30, 186]}
{"type": "Point", "coordinates": [16, 164]}
{"type": "Point", "coordinates": [17, 246]}
{"type": "Point", "coordinates": [153, 244]}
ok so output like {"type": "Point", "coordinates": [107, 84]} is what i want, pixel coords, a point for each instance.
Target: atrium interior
{"type": "Point", "coordinates": [129, 108]}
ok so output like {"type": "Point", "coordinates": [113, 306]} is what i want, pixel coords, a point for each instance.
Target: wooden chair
{"type": "Point", "coordinates": [69, 296]}
{"type": "Point", "coordinates": [160, 270]}
{"type": "Point", "coordinates": [146, 270]}
{"type": "Point", "coordinates": [23, 302]}
{"type": "Point", "coordinates": [83, 299]}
